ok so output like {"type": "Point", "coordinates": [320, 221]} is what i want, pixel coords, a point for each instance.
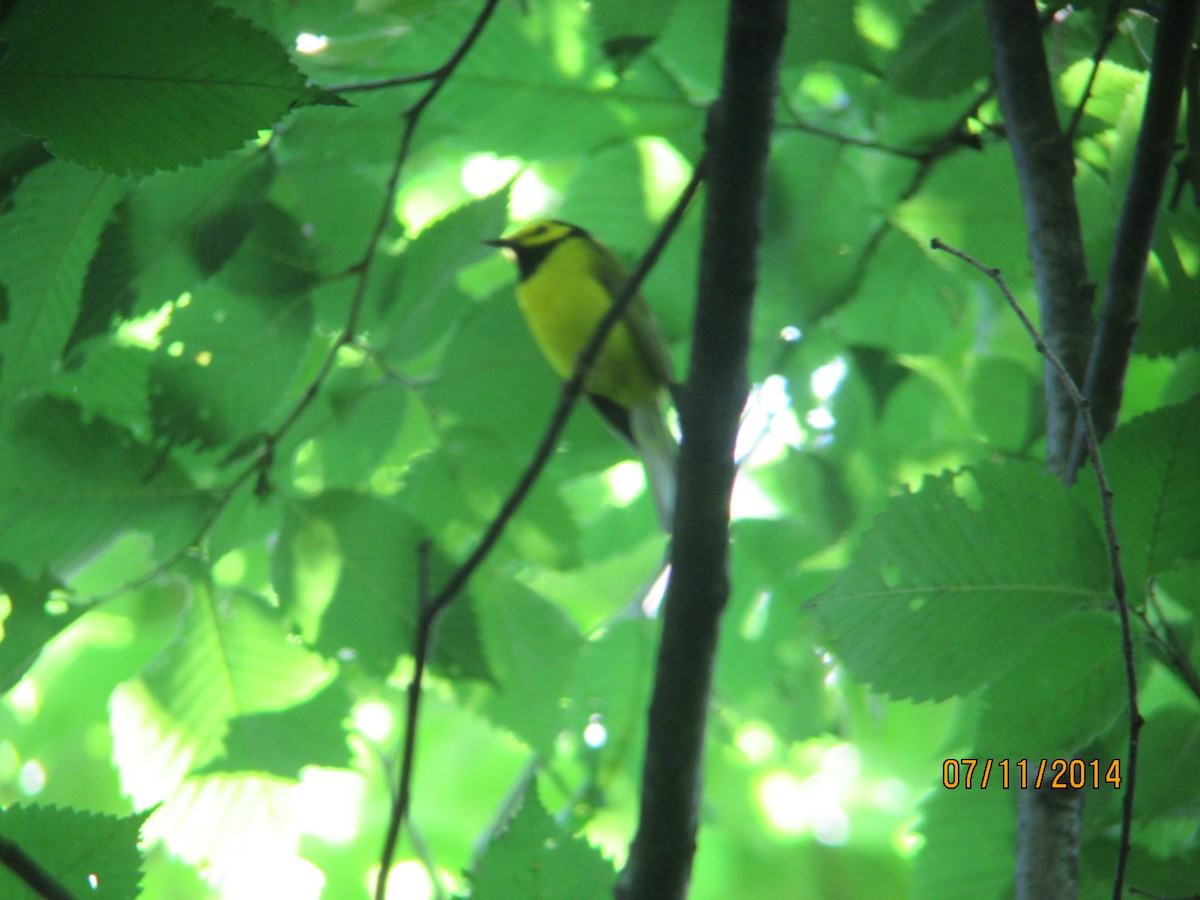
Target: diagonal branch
{"type": "Point", "coordinates": [431, 609]}
{"type": "Point", "coordinates": [27, 869]}
{"type": "Point", "coordinates": [412, 117]}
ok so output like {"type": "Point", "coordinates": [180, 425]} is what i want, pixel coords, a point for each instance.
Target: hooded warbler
{"type": "Point", "coordinates": [567, 280]}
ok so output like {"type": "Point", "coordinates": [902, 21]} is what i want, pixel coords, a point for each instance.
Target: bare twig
{"type": "Point", "coordinates": [1114, 547]}
{"type": "Point", "coordinates": [401, 798]}
{"type": "Point", "coordinates": [412, 118]}
{"type": "Point", "coordinates": [1169, 643]}
{"type": "Point", "coordinates": [1106, 38]}
{"type": "Point", "coordinates": [398, 81]}
{"type": "Point", "coordinates": [1154, 896]}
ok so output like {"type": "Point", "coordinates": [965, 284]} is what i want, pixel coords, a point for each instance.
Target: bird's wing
{"type": "Point", "coordinates": [638, 318]}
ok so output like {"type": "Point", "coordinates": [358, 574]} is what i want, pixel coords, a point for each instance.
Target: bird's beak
{"type": "Point", "coordinates": [502, 243]}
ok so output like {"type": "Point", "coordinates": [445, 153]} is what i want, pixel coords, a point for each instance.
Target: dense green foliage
{"type": "Point", "coordinates": [213, 544]}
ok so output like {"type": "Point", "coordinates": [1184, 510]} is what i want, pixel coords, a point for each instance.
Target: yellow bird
{"type": "Point", "coordinates": [567, 280]}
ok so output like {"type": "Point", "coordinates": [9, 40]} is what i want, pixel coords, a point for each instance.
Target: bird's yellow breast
{"type": "Point", "coordinates": [563, 303]}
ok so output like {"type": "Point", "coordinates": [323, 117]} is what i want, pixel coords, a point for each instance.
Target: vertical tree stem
{"type": "Point", "coordinates": [738, 138]}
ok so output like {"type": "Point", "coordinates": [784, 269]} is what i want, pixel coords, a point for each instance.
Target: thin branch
{"type": "Point", "coordinates": [412, 118]}
{"type": "Point", "coordinates": [431, 609]}
{"type": "Point", "coordinates": [1139, 218]}
{"type": "Point", "coordinates": [1169, 643]}
{"type": "Point", "coordinates": [401, 799]}
{"type": "Point", "coordinates": [1092, 441]}
{"type": "Point", "coordinates": [849, 140]}
{"type": "Point", "coordinates": [398, 81]}
{"type": "Point", "coordinates": [1106, 38]}
{"type": "Point", "coordinates": [1154, 896]}
{"type": "Point", "coordinates": [956, 137]}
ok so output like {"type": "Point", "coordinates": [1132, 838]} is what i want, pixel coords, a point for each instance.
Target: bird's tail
{"type": "Point", "coordinates": [659, 451]}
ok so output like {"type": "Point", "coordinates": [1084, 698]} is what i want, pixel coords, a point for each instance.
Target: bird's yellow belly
{"type": "Point", "coordinates": [562, 321]}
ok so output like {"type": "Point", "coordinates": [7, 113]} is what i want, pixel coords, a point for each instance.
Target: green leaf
{"type": "Point", "coordinates": [535, 859]}
{"type": "Point", "coordinates": [924, 421]}
{"type": "Point", "coordinates": [275, 260]}
{"type": "Point", "coordinates": [1003, 397]}
{"type": "Point", "coordinates": [497, 100]}
{"type": "Point", "coordinates": [627, 28]}
{"type": "Point", "coordinates": [532, 647]}
{"type": "Point", "coordinates": [311, 733]}
{"type": "Point", "coordinates": [46, 241]}
{"type": "Point", "coordinates": [969, 837]}
{"type": "Point", "coordinates": [233, 657]}
{"type": "Point", "coordinates": [417, 295]}
{"type": "Point", "coordinates": [972, 202]}
{"type": "Point", "coordinates": [544, 532]}
{"type": "Point", "coordinates": [1171, 787]}
{"type": "Point", "coordinates": [768, 668]}
{"type": "Point", "coordinates": [491, 360]}
{"type": "Point", "coordinates": [1172, 286]}
{"type": "Point", "coordinates": [323, 188]}
{"type": "Point", "coordinates": [183, 227]}
{"type": "Point", "coordinates": [137, 85]}
{"type": "Point", "coordinates": [228, 363]}
{"type": "Point", "coordinates": [1066, 691]}
{"type": "Point", "coordinates": [944, 594]}
{"type": "Point", "coordinates": [1113, 86]}
{"type": "Point", "coordinates": [90, 855]}
{"type": "Point", "coordinates": [944, 50]}
{"type": "Point", "coordinates": [69, 486]}
{"type": "Point", "coordinates": [355, 421]}
{"type": "Point", "coordinates": [687, 43]}
{"type": "Point", "coordinates": [113, 382]}
{"type": "Point", "coordinates": [611, 687]}
{"type": "Point", "coordinates": [821, 219]}
{"type": "Point", "coordinates": [346, 568]}
{"type": "Point", "coordinates": [822, 31]}
{"type": "Point", "coordinates": [902, 302]}
{"type": "Point", "coordinates": [29, 625]}
{"type": "Point", "coordinates": [1150, 463]}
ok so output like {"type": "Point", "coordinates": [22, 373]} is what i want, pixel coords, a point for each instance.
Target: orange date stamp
{"type": "Point", "coordinates": [1061, 774]}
